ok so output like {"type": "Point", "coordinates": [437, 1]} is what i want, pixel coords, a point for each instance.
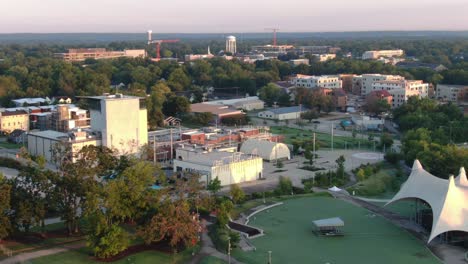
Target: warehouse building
{"type": "Point", "coordinates": [283, 113]}
{"type": "Point", "coordinates": [43, 143]}
{"type": "Point", "coordinates": [228, 167]}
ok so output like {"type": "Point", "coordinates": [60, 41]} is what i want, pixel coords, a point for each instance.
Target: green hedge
{"type": "Point", "coordinates": [10, 163]}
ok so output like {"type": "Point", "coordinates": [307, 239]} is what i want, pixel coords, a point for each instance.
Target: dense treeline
{"type": "Point", "coordinates": [98, 195]}
{"type": "Point", "coordinates": [32, 71]}
{"type": "Point", "coordinates": [430, 132]}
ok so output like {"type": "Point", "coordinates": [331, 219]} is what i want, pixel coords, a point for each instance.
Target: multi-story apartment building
{"type": "Point", "coordinates": [452, 93]}
{"type": "Point", "coordinates": [98, 53]}
{"type": "Point", "coordinates": [401, 90]}
{"type": "Point", "coordinates": [363, 84]}
{"type": "Point", "coordinates": [11, 120]}
{"type": "Point", "coordinates": [324, 81]}
{"type": "Point", "coordinates": [375, 54]}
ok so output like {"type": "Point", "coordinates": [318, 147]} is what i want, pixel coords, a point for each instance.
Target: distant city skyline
{"type": "Point", "coordinates": [212, 16]}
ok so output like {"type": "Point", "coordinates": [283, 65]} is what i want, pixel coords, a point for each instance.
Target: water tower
{"type": "Point", "coordinates": [231, 44]}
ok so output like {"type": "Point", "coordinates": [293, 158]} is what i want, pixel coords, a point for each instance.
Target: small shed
{"type": "Point", "coordinates": [328, 227]}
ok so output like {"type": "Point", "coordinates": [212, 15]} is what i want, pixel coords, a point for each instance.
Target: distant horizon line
{"type": "Point", "coordinates": [236, 32]}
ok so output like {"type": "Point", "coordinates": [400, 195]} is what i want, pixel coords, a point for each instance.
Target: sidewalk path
{"type": "Point", "coordinates": [372, 199]}
{"type": "Point", "coordinates": [208, 249]}
{"type": "Point", "coordinates": [20, 258]}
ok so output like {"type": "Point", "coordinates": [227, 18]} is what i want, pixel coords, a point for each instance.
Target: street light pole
{"type": "Point", "coordinates": [332, 135]}
{"type": "Point", "coordinates": [229, 250]}
{"type": "Point", "coordinates": [269, 257]}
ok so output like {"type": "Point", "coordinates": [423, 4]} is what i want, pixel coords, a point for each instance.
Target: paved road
{"type": "Point", "coordinates": [291, 169]}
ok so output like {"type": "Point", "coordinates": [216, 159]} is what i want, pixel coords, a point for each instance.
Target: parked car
{"type": "Point", "coordinates": [316, 122]}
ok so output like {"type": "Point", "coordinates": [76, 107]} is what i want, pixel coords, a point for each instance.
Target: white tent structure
{"type": "Point", "coordinates": [334, 189]}
{"type": "Point", "coordinates": [267, 150]}
{"type": "Point", "coordinates": [447, 198]}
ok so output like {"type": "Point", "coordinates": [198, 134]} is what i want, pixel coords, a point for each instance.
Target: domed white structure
{"type": "Point", "coordinates": [267, 150]}
{"type": "Point", "coordinates": [231, 44]}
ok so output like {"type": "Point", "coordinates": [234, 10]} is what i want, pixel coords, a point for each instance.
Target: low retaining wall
{"type": "Point", "coordinates": [261, 210]}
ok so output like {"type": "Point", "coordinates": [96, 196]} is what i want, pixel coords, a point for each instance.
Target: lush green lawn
{"type": "Point", "coordinates": [212, 260]}
{"type": "Point", "coordinates": [405, 207]}
{"type": "Point", "coordinates": [368, 238]}
{"type": "Point", "coordinates": [292, 134]}
{"type": "Point", "coordinates": [9, 145]}
{"type": "Point", "coordinates": [82, 256]}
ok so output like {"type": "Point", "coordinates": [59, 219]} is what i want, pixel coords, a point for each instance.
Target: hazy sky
{"type": "Point", "coordinates": [230, 16]}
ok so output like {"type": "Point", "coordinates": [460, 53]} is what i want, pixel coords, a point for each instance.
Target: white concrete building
{"type": "Point", "coordinates": [324, 57]}
{"type": "Point", "coordinates": [231, 44]}
{"type": "Point", "coordinates": [375, 54]}
{"type": "Point", "coordinates": [122, 121]}
{"type": "Point", "coordinates": [401, 90]}
{"type": "Point", "coordinates": [451, 93]}
{"type": "Point", "coordinates": [324, 81]}
{"type": "Point", "coordinates": [267, 150]}
{"type": "Point", "coordinates": [363, 84]}
{"type": "Point", "coordinates": [283, 113]}
{"type": "Point", "coordinates": [246, 103]}
{"type": "Point", "coordinates": [43, 142]}
{"type": "Point", "coordinates": [228, 167]}
{"type": "Point", "coordinates": [297, 62]}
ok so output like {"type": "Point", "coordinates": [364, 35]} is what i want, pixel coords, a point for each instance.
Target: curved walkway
{"type": "Point", "coordinates": [208, 249]}
{"type": "Point", "coordinates": [372, 199]}
{"type": "Point", "coordinates": [20, 258]}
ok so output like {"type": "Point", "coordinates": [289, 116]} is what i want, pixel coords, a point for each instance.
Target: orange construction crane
{"type": "Point", "coordinates": [158, 43]}
{"type": "Point", "coordinates": [274, 34]}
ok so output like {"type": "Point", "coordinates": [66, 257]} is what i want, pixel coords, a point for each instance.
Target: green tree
{"type": "Point", "coordinates": [309, 154]}
{"type": "Point", "coordinates": [127, 197]}
{"type": "Point", "coordinates": [104, 239]}
{"type": "Point", "coordinates": [386, 141]}
{"type": "Point", "coordinates": [179, 80]}
{"type": "Point", "coordinates": [214, 186]}
{"type": "Point", "coordinates": [360, 174]}
{"type": "Point", "coordinates": [285, 185]}
{"type": "Point", "coordinates": [270, 94]}
{"type": "Point", "coordinates": [41, 161]}
{"type": "Point", "coordinates": [176, 105]}
{"type": "Point", "coordinates": [5, 191]}
{"type": "Point", "coordinates": [310, 115]}
{"type": "Point", "coordinates": [340, 163]}
{"type": "Point", "coordinates": [236, 193]}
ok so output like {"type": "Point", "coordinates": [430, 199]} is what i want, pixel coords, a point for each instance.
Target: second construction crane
{"type": "Point", "coordinates": [158, 43]}
{"type": "Point", "coordinates": [274, 34]}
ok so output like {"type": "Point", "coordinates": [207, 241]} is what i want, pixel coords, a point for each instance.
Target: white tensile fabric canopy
{"type": "Point", "coordinates": [447, 198]}
{"type": "Point", "coordinates": [334, 189]}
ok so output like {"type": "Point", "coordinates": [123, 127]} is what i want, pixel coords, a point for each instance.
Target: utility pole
{"type": "Point", "coordinates": [332, 135]}
{"type": "Point", "coordinates": [314, 145]}
{"type": "Point", "coordinates": [172, 146]}
{"type": "Point", "coordinates": [154, 149]}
